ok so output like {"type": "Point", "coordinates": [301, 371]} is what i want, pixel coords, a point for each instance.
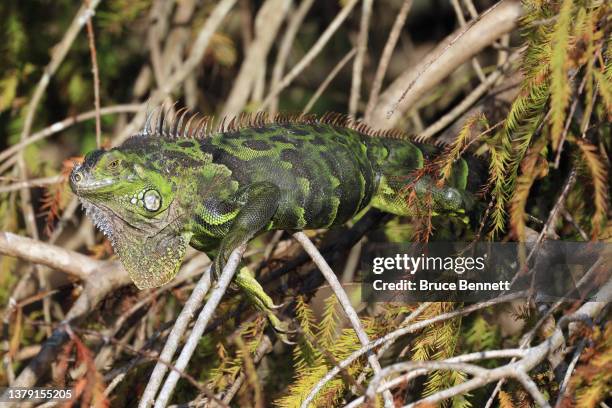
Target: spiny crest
{"type": "Point", "coordinates": [167, 122]}
{"type": "Point", "coordinates": [180, 124]}
{"type": "Point", "coordinates": [100, 219]}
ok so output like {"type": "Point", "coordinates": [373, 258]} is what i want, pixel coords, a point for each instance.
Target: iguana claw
{"type": "Point", "coordinates": [281, 329]}
{"type": "Point", "coordinates": [260, 299]}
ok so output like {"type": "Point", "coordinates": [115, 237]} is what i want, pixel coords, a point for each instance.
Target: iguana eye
{"type": "Point", "coordinates": [152, 200]}
{"type": "Point", "coordinates": [114, 164]}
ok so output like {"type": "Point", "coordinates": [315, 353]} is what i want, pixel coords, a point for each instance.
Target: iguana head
{"type": "Point", "coordinates": [122, 183]}
{"type": "Point", "coordinates": [135, 206]}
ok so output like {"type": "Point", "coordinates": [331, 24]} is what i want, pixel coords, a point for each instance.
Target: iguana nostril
{"type": "Point", "coordinates": [77, 177]}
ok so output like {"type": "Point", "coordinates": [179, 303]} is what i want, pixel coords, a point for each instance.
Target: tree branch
{"type": "Point", "coordinates": [456, 49]}
{"type": "Point", "coordinates": [350, 312]}
{"type": "Point", "coordinates": [70, 262]}
{"type": "Point", "coordinates": [172, 342]}
{"type": "Point", "coordinates": [267, 23]}
{"type": "Point", "coordinates": [312, 53]}
{"type": "Point", "coordinates": [200, 325]}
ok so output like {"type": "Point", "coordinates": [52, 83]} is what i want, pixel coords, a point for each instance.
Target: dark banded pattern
{"type": "Point", "coordinates": [324, 174]}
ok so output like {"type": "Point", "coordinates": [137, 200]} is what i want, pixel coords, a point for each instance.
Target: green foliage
{"type": "Point", "coordinates": [562, 57]}
{"type": "Point", "coordinates": [226, 372]}
{"type": "Point", "coordinates": [560, 87]}
{"type": "Point", "coordinates": [481, 335]}
{"type": "Point", "coordinates": [311, 362]}
{"type": "Point", "coordinates": [438, 342]}
{"type": "Point", "coordinates": [321, 345]}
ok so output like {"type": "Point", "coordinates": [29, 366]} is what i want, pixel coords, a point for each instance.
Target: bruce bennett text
{"type": "Point", "coordinates": [425, 285]}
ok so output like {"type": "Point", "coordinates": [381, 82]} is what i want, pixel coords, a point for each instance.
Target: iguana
{"type": "Point", "coordinates": [178, 183]}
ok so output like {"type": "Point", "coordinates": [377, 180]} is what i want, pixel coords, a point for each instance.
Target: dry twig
{"type": "Point", "coordinates": [200, 325]}
{"type": "Point", "coordinates": [457, 48]}
{"type": "Point", "coordinates": [362, 48]}
{"type": "Point", "coordinates": [350, 312]}
{"type": "Point", "coordinates": [312, 53]}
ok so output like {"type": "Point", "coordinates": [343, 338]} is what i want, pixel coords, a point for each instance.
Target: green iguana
{"type": "Point", "coordinates": [177, 183]}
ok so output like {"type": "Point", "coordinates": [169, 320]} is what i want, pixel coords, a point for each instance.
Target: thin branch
{"type": "Point", "coordinates": [457, 48]}
{"type": "Point", "coordinates": [315, 97]}
{"type": "Point", "coordinates": [267, 23]}
{"type": "Point", "coordinates": [402, 331]}
{"type": "Point", "coordinates": [362, 48]}
{"type": "Point", "coordinates": [462, 23]}
{"type": "Point", "coordinates": [385, 58]}
{"type": "Point", "coordinates": [528, 337]}
{"type": "Point", "coordinates": [107, 278]}
{"type": "Point", "coordinates": [265, 346]}
{"type": "Point", "coordinates": [568, 374]}
{"type": "Point", "coordinates": [172, 342]}
{"type": "Point", "coordinates": [64, 124]}
{"type": "Point", "coordinates": [418, 368]}
{"type": "Point", "coordinates": [96, 75]}
{"type": "Point", "coordinates": [350, 312]}
{"type": "Point", "coordinates": [200, 325]}
{"type": "Point", "coordinates": [532, 357]}
{"type": "Point", "coordinates": [312, 53]}
{"type": "Point", "coordinates": [559, 204]}
{"type": "Point", "coordinates": [192, 62]}
{"type": "Point", "coordinates": [568, 217]}
{"type": "Point", "coordinates": [189, 269]}
{"type": "Point", "coordinates": [466, 103]}
{"type": "Point", "coordinates": [295, 22]}
{"type": "Point", "coordinates": [40, 182]}
{"type": "Point", "coordinates": [160, 13]}
{"type": "Point", "coordinates": [70, 262]}
{"type": "Point", "coordinates": [59, 53]}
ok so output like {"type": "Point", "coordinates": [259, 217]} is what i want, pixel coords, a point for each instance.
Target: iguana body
{"type": "Point", "coordinates": [164, 189]}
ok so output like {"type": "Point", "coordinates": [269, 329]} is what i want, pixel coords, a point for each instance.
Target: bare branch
{"type": "Point", "coordinates": [172, 342]}
{"type": "Point", "coordinates": [350, 312]}
{"type": "Point", "coordinates": [518, 370]}
{"type": "Point", "coordinates": [313, 99]}
{"type": "Point", "coordinates": [457, 48]}
{"type": "Point", "coordinates": [96, 75]}
{"type": "Point", "coordinates": [312, 53]}
{"type": "Point", "coordinates": [362, 48]}
{"type": "Point", "coordinates": [267, 23]}
{"type": "Point", "coordinates": [385, 58]}
{"type": "Point", "coordinates": [462, 23]}
{"type": "Point", "coordinates": [58, 55]}
{"type": "Point", "coordinates": [70, 262]}
{"type": "Point", "coordinates": [64, 124]}
{"type": "Point", "coordinates": [192, 62]}
{"type": "Point", "coordinates": [466, 103]}
{"type": "Point", "coordinates": [388, 339]}
{"type": "Point", "coordinates": [107, 278]}
{"type": "Point", "coordinates": [200, 325]}
{"type": "Point", "coordinates": [45, 181]}
{"type": "Point", "coordinates": [295, 22]}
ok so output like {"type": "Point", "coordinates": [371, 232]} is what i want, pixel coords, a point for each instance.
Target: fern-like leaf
{"type": "Point", "coordinates": [560, 88]}
{"type": "Point", "coordinates": [599, 176]}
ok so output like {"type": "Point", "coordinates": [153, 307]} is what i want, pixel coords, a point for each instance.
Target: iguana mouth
{"type": "Point", "coordinates": [81, 181]}
{"type": "Point", "coordinates": [91, 187]}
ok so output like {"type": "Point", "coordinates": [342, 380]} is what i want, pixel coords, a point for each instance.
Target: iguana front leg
{"type": "Point", "coordinates": [260, 204]}
{"type": "Point", "coordinates": [260, 201]}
